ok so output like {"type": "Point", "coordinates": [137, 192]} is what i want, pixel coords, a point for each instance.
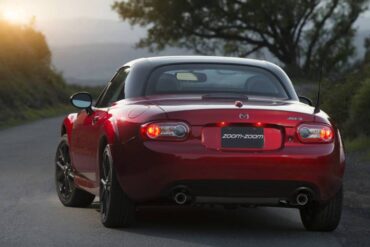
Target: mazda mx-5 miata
{"type": "Point", "coordinates": [194, 130]}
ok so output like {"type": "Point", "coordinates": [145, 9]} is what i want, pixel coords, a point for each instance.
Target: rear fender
{"type": "Point", "coordinates": [109, 131]}
{"type": "Point", "coordinates": [68, 125]}
{"type": "Point", "coordinates": [108, 136]}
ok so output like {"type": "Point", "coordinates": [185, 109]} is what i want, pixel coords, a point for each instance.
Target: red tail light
{"type": "Point", "coordinates": [153, 131]}
{"type": "Point", "coordinates": [258, 124]}
{"type": "Point", "coordinates": [175, 131]}
{"type": "Point", "coordinates": [315, 133]}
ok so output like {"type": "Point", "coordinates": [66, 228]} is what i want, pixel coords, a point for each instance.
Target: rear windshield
{"type": "Point", "coordinates": [215, 78]}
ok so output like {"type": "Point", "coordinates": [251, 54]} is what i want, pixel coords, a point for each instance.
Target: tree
{"type": "Point", "coordinates": [302, 34]}
{"type": "Point", "coordinates": [367, 47]}
{"type": "Point", "coordinates": [29, 86]}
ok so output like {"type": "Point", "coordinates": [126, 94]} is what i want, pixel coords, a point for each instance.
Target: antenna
{"type": "Point", "coordinates": [317, 105]}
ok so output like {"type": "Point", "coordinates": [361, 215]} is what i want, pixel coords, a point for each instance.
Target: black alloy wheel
{"type": "Point", "coordinates": [67, 192]}
{"type": "Point", "coordinates": [116, 208]}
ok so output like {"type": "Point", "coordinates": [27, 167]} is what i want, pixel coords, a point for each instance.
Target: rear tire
{"type": "Point", "coordinates": [116, 209]}
{"type": "Point", "coordinates": [325, 217]}
{"type": "Point", "coordinates": [68, 194]}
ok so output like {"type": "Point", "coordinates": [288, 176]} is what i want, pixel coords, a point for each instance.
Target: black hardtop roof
{"type": "Point", "coordinates": [141, 69]}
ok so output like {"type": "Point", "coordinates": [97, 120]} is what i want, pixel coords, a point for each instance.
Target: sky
{"type": "Point", "coordinates": [66, 9]}
{"type": "Point", "coordinates": [77, 22]}
{"type": "Point", "coordinates": [62, 9]}
{"type": "Point", "coordinates": [80, 31]}
{"type": "Point", "coordinates": [72, 22]}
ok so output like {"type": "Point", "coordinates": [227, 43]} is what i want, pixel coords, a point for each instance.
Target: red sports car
{"type": "Point", "coordinates": [195, 130]}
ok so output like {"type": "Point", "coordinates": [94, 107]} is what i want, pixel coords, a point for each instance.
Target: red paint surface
{"type": "Point", "coordinates": [146, 167]}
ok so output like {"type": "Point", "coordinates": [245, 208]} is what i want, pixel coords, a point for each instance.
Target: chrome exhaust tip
{"type": "Point", "coordinates": [180, 198]}
{"type": "Point", "coordinates": [302, 199]}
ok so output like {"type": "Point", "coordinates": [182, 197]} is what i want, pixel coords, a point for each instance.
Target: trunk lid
{"type": "Point", "coordinates": [257, 124]}
{"type": "Point", "coordinates": [198, 112]}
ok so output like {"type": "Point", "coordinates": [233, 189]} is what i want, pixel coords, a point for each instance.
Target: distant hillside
{"type": "Point", "coordinates": [29, 87]}
{"type": "Point", "coordinates": [83, 31]}
{"type": "Point", "coordinates": [95, 64]}
{"type": "Point", "coordinates": [88, 51]}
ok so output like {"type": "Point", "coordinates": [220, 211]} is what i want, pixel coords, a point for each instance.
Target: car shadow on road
{"type": "Point", "coordinates": [218, 218]}
{"type": "Point", "coordinates": [220, 227]}
{"type": "Point", "coordinates": [256, 226]}
{"type": "Point", "coordinates": [189, 218]}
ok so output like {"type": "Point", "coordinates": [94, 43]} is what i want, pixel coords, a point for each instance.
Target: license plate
{"type": "Point", "coordinates": [242, 137]}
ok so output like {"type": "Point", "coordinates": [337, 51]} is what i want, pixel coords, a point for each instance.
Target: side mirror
{"type": "Point", "coordinates": [82, 100]}
{"type": "Point", "coordinates": [305, 100]}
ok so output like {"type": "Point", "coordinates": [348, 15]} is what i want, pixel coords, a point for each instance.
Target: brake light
{"type": "Point", "coordinates": [222, 124]}
{"type": "Point", "coordinates": [315, 133]}
{"type": "Point", "coordinates": [153, 131]}
{"type": "Point", "coordinates": [165, 131]}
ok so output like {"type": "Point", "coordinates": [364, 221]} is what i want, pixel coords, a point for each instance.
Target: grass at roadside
{"type": "Point", "coordinates": [30, 87]}
{"type": "Point", "coordinates": [29, 115]}
{"type": "Point", "coordinates": [26, 114]}
{"type": "Point", "coordinates": [359, 146]}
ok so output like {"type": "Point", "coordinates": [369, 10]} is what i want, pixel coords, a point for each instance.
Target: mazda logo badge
{"type": "Point", "coordinates": [243, 116]}
{"type": "Point", "coordinates": [239, 104]}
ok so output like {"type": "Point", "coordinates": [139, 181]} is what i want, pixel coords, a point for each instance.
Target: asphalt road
{"type": "Point", "coordinates": [31, 215]}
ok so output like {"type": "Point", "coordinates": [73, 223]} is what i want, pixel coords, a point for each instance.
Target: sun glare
{"type": "Point", "coordinates": [15, 16]}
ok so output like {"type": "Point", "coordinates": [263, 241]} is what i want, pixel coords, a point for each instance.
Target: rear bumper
{"type": "Point", "coordinates": [150, 171]}
{"type": "Point", "coordinates": [278, 189]}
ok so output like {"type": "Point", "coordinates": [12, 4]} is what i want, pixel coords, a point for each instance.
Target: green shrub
{"type": "Point", "coordinates": [358, 144]}
{"type": "Point", "coordinates": [336, 99]}
{"type": "Point", "coordinates": [359, 121]}
{"type": "Point", "coordinates": [347, 101]}
{"type": "Point", "coordinates": [28, 82]}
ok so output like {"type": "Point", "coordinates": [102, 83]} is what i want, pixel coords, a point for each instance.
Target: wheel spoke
{"type": "Point", "coordinates": [105, 167]}
{"type": "Point", "coordinates": [62, 167]}
{"type": "Point", "coordinates": [61, 155]}
{"type": "Point", "coordinates": [70, 175]}
{"type": "Point", "coordinates": [70, 184]}
{"type": "Point", "coordinates": [105, 182]}
{"type": "Point", "coordinates": [64, 175]}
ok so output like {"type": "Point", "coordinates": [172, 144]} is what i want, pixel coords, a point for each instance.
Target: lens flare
{"type": "Point", "coordinates": [14, 16]}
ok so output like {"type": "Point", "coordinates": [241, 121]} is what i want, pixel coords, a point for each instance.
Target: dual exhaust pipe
{"type": "Point", "coordinates": [302, 198]}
